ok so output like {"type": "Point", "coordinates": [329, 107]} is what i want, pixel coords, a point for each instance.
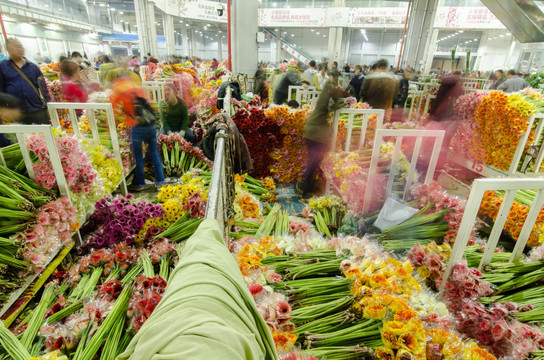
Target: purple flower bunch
{"type": "Point", "coordinates": [77, 168]}
{"type": "Point", "coordinates": [118, 220]}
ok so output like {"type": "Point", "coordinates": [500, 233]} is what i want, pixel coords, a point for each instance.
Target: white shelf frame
{"type": "Point", "coordinates": [420, 135]}
{"type": "Point", "coordinates": [479, 187]}
{"type": "Point", "coordinates": [296, 89]}
{"type": "Point", "coordinates": [89, 108]}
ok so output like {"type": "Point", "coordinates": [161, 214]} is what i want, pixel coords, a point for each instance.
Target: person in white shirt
{"type": "Point", "coordinates": [513, 84]}
{"type": "Point", "coordinates": [321, 78]}
{"type": "Point", "coordinates": [311, 71]}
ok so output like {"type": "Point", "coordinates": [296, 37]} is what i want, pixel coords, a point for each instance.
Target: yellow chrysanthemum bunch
{"type": "Point", "coordinates": [250, 256]}
{"type": "Point", "coordinates": [107, 167]}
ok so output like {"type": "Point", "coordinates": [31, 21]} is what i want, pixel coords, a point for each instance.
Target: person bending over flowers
{"type": "Point", "coordinates": [176, 114]}
{"type": "Point", "coordinates": [317, 130]}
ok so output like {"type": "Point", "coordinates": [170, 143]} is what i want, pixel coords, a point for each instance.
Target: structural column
{"type": "Point", "coordinates": [278, 46]}
{"type": "Point", "coordinates": [419, 33]}
{"type": "Point", "coordinates": [152, 28]}
{"type": "Point", "coordinates": [185, 41]}
{"type": "Point", "coordinates": [244, 28]}
{"type": "Point", "coordinates": [144, 26]}
{"type": "Point", "coordinates": [169, 34]}
{"type": "Point", "coordinates": [426, 68]}
{"type": "Point", "coordinates": [220, 47]}
{"type": "Point", "coordinates": [335, 38]}
{"type": "Point", "coordinates": [193, 43]}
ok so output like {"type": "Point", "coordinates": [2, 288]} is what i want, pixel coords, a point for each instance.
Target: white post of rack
{"type": "Point", "coordinates": [352, 114]}
{"type": "Point", "coordinates": [296, 89]}
{"type": "Point", "coordinates": [226, 100]}
{"type": "Point", "coordinates": [90, 107]}
{"type": "Point", "coordinates": [47, 132]}
{"type": "Point", "coordinates": [307, 96]}
{"type": "Point", "coordinates": [428, 104]}
{"type": "Point", "coordinates": [520, 150]}
{"type": "Point", "coordinates": [479, 187]}
{"type": "Point", "coordinates": [437, 136]}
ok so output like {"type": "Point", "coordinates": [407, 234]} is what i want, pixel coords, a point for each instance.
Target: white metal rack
{"type": "Point", "coordinates": [537, 154]}
{"type": "Point", "coordinates": [307, 96]}
{"type": "Point", "coordinates": [352, 114]}
{"type": "Point", "coordinates": [46, 131]}
{"type": "Point", "coordinates": [521, 154]}
{"type": "Point", "coordinates": [419, 108]}
{"type": "Point", "coordinates": [90, 107]}
{"type": "Point", "coordinates": [479, 187]}
{"type": "Point", "coordinates": [437, 136]}
{"type": "Point", "coordinates": [293, 88]}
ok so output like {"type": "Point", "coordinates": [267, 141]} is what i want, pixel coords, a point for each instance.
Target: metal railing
{"type": "Point", "coordinates": [217, 196]}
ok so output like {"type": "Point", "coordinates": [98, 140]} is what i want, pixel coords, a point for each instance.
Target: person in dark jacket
{"type": "Point", "coordinates": [32, 93]}
{"type": "Point", "coordinates": [403, 88]}
{"type": "Point", "coordinates": [380, 88]}
{"type": "Point", "coordinates": [356, 82]}
{"type": "Point", "coordinates": [260, 81]}
{"type": "Point", "coordinates": [289, 79]}
{"type": "Point", "coordinates": [317, 130]}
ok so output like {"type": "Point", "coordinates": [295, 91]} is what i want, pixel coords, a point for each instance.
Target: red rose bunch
{"type": "Point", "coordinates": [147, 295]}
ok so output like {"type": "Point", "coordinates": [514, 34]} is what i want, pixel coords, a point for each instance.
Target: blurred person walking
{"type": "Point", "coordinates": [87, 72]}
{"type": "Point", "coordinates": [380, 88]}
{"type": "Point", "coordinates": [129, 100]}
{"type": "Point", "coordinates": [317, 131]}
{"type": "Point", "coordinates": [73, 88]}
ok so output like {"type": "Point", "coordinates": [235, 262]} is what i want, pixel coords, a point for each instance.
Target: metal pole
{"type": "Point", "coordinates": [229, 34]}
{"type": "Point", "coordinates": [404, 33]}
{"type": "Point", "coordinates": [3, 27]}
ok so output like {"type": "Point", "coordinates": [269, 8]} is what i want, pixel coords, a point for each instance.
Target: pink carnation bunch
{"type": "Point", "coordinates": [78, 171]}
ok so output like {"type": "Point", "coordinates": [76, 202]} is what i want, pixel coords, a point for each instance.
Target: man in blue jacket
{"type": "Point", "coordinates": [24, 80]}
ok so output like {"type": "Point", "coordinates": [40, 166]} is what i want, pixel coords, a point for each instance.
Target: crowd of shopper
{"type": "Point", "coordinates": [24, 97]}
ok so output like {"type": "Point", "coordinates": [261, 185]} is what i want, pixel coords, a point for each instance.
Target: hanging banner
{"type": "Point", "coordinates": [337, 17]}
{"type": "Point", "coordinates": [194, 9]}
{"type": "Point", "coordinates": [302, 17]}
{"type": "Point", "coordinates": [388, 17]}
{"type": "Point", "coordinates": [380, 17]}
{"type": "Point", "coordinates": [466, 17]}
{"type": "Point", "coordinates": [202, 10]}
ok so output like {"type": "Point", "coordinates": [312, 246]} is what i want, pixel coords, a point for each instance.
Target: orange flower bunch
{"type": "Point", "coordinates": [490, 206]}
{"type": "Point", "coordinates": [291, 157]}
{"type": "Point", "coordinates": [250, 255]}
{"type": "Point", "coordinates": [249, 208]}
{"type": "Point", "coordinates": [387, 276]}
{"type": "Point", "coordinates": [501, 121]}
{"type": "Point", "coordinates": [284, 341]}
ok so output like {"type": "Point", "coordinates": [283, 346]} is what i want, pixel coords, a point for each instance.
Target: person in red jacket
{"type": "Point", "coordinates": [74, 89]}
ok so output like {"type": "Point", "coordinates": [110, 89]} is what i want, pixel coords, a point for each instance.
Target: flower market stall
{"type": "Point", "coordinates": [500, 134]}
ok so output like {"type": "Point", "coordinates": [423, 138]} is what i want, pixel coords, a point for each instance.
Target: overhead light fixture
{"type": "Point", "coordinates": [186, 24]}
{"type": "Point", "coordinates": [324, 35]}
{"type": "Point", "coordinates": [461, 31]}
{"type": "Point", "coordinates": [502, 36]}
{"type": "Point", "coordinates": [121, 12]}
{"type": "Point", "coordinates": [102, 4]}
{"type": "Point", "coordinates": [292, 34]}
{"type": "Point", "coordinates": [274, 4]}
{"type": "Point", "coordinates": [312, 30]}
{"type": "Point", "coordinates": [317, 33]}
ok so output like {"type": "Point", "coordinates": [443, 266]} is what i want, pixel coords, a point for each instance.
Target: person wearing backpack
{"type": "Point", "coordinates": [129, 101]}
